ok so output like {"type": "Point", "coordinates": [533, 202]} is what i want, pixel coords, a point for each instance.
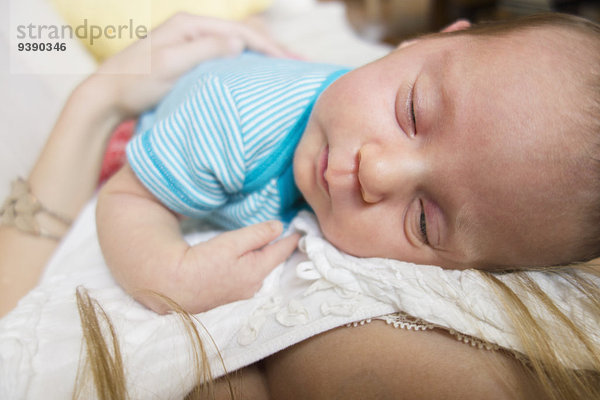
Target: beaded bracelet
{"type": "Point", "coordinates": [20, 210]}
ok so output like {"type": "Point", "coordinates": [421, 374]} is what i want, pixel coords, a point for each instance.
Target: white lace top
{"type": "Point", "coordinates": [317, 289]}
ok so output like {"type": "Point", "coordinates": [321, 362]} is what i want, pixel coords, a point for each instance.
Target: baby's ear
{"type": "Point", "coordinates": [458, 25]}
{"type": "Point", "coordinates": [407, 43]}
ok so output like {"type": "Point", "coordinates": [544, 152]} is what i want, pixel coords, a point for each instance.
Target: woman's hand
{"type": "Point", "coordinates": [139, 76]}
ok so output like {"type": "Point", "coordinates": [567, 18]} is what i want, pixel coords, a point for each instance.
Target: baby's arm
{"type": "Point", "coordinates": [145, 251]}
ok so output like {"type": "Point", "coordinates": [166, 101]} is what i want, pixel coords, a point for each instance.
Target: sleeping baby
{"type": "Point", "coordinates": [471, 148]}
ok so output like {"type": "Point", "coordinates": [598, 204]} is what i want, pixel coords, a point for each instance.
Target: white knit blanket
{"type": "Point", "coordinates": [317, 289]}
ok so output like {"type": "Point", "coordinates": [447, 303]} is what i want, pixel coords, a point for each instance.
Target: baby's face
{"type": "Point", "coordinates": [448, 152]}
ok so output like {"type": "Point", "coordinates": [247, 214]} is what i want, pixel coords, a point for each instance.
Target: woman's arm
{"type": "Point", "coordinates": [63, 178]}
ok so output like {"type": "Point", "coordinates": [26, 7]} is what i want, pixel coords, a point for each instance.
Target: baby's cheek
{"type": "Point", "coordinates": [342, 237]}
{"type": "Point", "coordinates": [301, 180]}
{"type": "Point", "coordinates": [360, 238]}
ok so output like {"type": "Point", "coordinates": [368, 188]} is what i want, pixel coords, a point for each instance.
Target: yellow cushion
{"type": "Point", "coordinates": [107, 26]}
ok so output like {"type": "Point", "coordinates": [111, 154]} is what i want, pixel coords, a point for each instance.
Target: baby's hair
{"type": "Point", "coordinates": [554, 20]}
{"type": "Point", "coordinates": [578, 40]}
{"type": "Point", "coordinates": [545, 347]}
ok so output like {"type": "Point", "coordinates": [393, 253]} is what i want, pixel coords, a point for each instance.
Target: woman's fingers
{"type": "Point", "coordinates": [188, 27]}
{"type": "Point", "coordinates": [172, 49]}
{"type": "Point", "coordinates": [183, 57]}
{"type": "Point", "coordinates": [253, 39]}
{"type": "Point", "coordinates": [259, 42]}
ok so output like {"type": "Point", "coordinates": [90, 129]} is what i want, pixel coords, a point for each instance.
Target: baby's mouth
{"type": "Point", "coordinates": [323, 162]}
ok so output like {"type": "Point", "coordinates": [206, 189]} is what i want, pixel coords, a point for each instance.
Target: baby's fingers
{"type": "Point", "coordinates": [263, 261]}
{"type": "Point", "coordinates": [250, 238]}
{"type": "Point", "coordinates": [252, 256]}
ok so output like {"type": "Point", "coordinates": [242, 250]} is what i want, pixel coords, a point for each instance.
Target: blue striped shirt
{"type": "Point", "coordinates": [220, 145]}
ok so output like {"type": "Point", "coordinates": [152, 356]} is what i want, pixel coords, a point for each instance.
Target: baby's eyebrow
{"type": "Point", "coordinates": [445, 68]}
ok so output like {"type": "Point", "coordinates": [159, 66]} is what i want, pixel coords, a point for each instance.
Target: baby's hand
{"type": "Point", "coordinates": [231, 266]}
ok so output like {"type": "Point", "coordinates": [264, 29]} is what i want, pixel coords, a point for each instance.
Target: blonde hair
{"type": "Point", "coordinates": [551, 349]}
{"type": "Point", "coordinates": [102, 359]}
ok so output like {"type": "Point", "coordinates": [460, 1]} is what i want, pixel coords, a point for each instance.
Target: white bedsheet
{"type": "Point", "coordinates": [317, 289]}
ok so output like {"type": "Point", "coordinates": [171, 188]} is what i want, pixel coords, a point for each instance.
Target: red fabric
{"type": "Point", "coordinates": [114, 157]}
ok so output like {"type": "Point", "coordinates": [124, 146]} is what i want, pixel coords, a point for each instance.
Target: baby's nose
{"type": "Point", "coordinates": [386, 171]}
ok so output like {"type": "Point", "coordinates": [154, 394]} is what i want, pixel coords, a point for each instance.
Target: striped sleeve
{"type": "Point", "coordinates": [248, 209]}
{"type": "Point", "coordinates": [193, 160]}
